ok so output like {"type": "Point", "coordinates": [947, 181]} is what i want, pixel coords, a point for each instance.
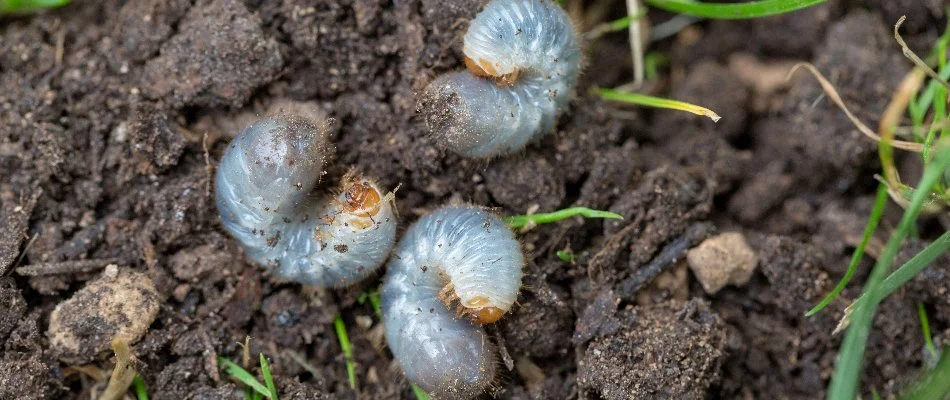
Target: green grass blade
{"type": "Point", "coordinates": [844, 382]}
{"type": "Point", "coordinates": [373, 296]}
{"type": "Point", "coordinates": [28, 6]}
{"type": "Point", "coordinates": [347, 350]}
{"type": "Point", "coordinates": [912, 267]}
{"type": "Point", "coordinates": [909, 270]}
{"type": "Point", "coordinates": [420, 394]}
{"type": "Point", "coordinates": [936, 385]}
{"type": "Point", "coordinates": [754, 9]}
{"type": "Point", "coordinates": [879, 202]}
{"type": "Point", "coordinates": [141, 391]}
{"type": "Point", "coordinates": [243, 376]}
{"type": "Point", "coordinates": [520, 221]}
{"type": "Point", "coordinates": [656, 102]}
{"type": "Point", "coordinates": [925, 328]}
{"type": "Point", "coordinates": [268, 377]}
{"type": "Point", "coordinates": [566, 255]}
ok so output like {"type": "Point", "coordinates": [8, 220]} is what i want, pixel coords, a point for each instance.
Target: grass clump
{"type": "Point", "coordinates": [254, 389]}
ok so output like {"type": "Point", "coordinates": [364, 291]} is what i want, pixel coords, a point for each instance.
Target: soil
{"type": "Point", "coordinates": [113, 115]}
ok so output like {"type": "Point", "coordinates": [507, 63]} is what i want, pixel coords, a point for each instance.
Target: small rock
{"type": "Point", "coordinates": [121, 306]}
{"type": "Point", "coordinates": [722, 259]}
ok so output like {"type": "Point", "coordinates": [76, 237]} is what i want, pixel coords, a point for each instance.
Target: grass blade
{"type": "Point", "coordinates": [925, 328]}
{"type": "Point", "coordinates": [28, 6]}
{"type": "Point", "coordinates": [141, 391]}
{"type": "Point", "coordinates": [879, 202]}
{"type": "Point", "coordinates": [520, 221]}
{"type": "Point", "coordinates": [754, 9]}
{"type": "Point", "coordinates": [936, 385]}
{"type": "Point", "coordinates": [420, 394]}
{"type": "Point", "coordinates": [268, 377]}
{"type": "Point", "coordinates": [656, 102]}
{"type": "Point", "coordinates": [243, 376]}
{"type": "Point", "coordinates": [374, 301]}
{"type": "Point", "coordinates": [347, 350]}
{"type": "Point", "coordinates": [844, 382]}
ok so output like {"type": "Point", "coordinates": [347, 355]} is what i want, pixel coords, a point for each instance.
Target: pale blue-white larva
{"type": "Point", "coordinates": [523, 60]}
{"type": "Point", "coordinates": [265, 195]}
{"type": "Point", "coordinates": [457, 256]}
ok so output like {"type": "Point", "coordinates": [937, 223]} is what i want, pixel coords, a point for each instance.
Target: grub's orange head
{"type": "Point", "coordinates": [361, 198]}
{"type": "Point", "coordinates": [479, 312]}
{"type": "Point", "coordinates": [484, 69]}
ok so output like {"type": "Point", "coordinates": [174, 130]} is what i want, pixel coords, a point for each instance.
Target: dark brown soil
{"type": "Point", "coordinates": [113, 115]}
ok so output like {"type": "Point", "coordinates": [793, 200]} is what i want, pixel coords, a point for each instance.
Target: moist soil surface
{"type": "Point", "coordinates": [113, 115]}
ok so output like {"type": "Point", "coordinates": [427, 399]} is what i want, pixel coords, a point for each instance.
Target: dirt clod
{"type": "Point", "coordinates": [668, 351]}
{"type": "Point", "coordinates": [84, 326]}
{"type": "Point", "coordinates": [219, 56]}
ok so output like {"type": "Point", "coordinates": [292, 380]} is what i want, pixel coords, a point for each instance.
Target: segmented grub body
{"type": "Point", "coordinates": [265, 195]}
{"type": "Point", "coordinates": [455, 269]}
{"type": "Point", "coordinates": [523, 60]}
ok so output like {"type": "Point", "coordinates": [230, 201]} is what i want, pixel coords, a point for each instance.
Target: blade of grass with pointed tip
{"type": "Point", "coordinates": [879, 202]}
{"type": "Point", "coordinates": [656, 102]}
{"type": "Point", "coordinates": [420, 394]}
{"type": "Point", "coordinates": [347, 350]}
{"type": "Point", "coordinates": [141, 391]}
{"type": "Point", "coordinates": [925, 329]}
{"type": "Point", "coordinates": [243, 376]}
{"type": "Point", "coordinates": [268, 377]}
{"type": "Point", "coordinates": [936, 385]}
{"type": "Point", "coordinates": [519, 221]}
{"type": "Point", "coordinates": [844, 382]}
{"type": "Point", "coordinates": [754, 9]}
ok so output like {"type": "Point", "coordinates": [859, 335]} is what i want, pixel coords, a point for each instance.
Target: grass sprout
{"type": "Point", "coordinates": [420, 394]}
{"type": "Point", "coordinates": [876, 214]}
{"type": "Point", "coordinates": [934, 385]}
{"type": "Point", "coordinates": [752, 9]}
{"type": "Point", "coordinates": [268, 378]}
{"type": "Point", "coordinates": [656, 102]}
{"type": "Point", "coordinates": [341, 334]}
{"type": "Point", "coordinates": [925, 329]}
{"type": "Point", "coordinates": [141, 390]}
{"type": "Point", "coordinates": [372, 296]}
{"type": "Point", "coordinates": [528, 221]}
{"type": "Point", "coordinates": [255, 389]}
{"type": "Point", "coordinates": [566, 255]}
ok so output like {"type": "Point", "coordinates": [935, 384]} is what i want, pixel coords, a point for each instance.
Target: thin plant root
{"type": "Point", "coordinates": [833, 94]}
{"type": "Point", "coordinates": [123, 374]}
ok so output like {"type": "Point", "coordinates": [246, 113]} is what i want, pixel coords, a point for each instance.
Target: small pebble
{"type": "Point", "coordinates": [721, 260]}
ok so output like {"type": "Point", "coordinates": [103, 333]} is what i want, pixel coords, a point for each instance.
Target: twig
{"type": "Point", "coordinates": [65, 267]}
{"type": "Point", "coordinates": [667, 257]}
